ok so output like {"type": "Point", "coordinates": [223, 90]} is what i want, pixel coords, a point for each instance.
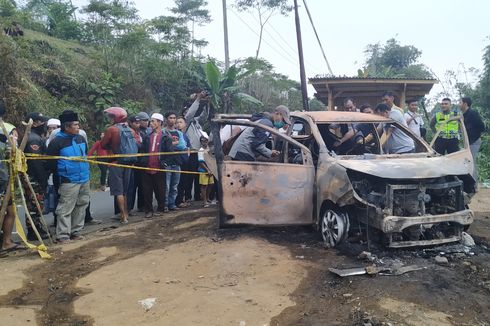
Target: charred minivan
{"type": "Point", "coordinates": [413, 199]}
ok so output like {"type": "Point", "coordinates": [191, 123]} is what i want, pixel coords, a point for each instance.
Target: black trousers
{"type": "Point", "coordinates": [103, 175]}
{"type": "Point", "coordinates": [194, 178]}
{"type": "Point", "coordinates": [185, 185]}
{"type": "Point", "coordinates": [446, 145]}
{"type": "Point", "coordinates": [154, 184]}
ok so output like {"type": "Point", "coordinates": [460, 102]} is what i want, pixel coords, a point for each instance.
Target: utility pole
{"type": "Point", "coordinates": [225, 28]}
{"type": "Point", "coordinates": [304, 91]}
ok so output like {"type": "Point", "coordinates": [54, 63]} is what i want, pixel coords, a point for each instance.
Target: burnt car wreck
{"type": "Point", "coordinates": [413, 199]}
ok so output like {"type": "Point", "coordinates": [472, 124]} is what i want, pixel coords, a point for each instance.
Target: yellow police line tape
{"type": "Point", "coordinates": [18, 164]}
{"type": "Point", "coordinates": [91, 159]}
{"type": "Point", "coordinates": [134, 167]}
{"type": "Point", "coordinates": [31, 156]}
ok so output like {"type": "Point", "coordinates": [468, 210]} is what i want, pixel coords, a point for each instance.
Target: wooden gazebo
{"type": "Point", "coordinates": [333, 90]}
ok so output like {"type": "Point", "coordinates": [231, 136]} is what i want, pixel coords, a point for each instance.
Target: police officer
{"type": "Point", "coordinates": [38, 175]}
{"type": "Point", "coordinates": [448, 140]}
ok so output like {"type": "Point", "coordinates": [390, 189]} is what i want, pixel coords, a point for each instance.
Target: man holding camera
{"type": "Point", "coordinates": [193, 132]}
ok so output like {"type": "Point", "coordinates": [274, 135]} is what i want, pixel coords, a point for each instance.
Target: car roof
{"type": "Point", "coordinates": [340, 116]}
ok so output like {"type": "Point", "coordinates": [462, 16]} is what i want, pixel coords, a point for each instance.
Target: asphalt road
{"type": "Point", "coordinates": [101, 206]}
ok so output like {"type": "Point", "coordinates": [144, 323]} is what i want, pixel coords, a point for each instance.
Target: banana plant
{"type": "Point", "coordinates": [225, 94]}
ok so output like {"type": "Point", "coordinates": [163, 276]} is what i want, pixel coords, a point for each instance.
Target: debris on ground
{"type": "Point", "coordinates": [402, 270]}
{"type": "Point", "coordinates": [467, 240]}
{"type": "Point", "coordinates": [148, 303]}
{"type": "Point", "coordinates": [441, 260]}
{"type": "Point", "coordinates": [348, 271]}
{"type": "Point", "coordinates": [366, 255]}
{"type": "Point", "coordinates": [376, 270]}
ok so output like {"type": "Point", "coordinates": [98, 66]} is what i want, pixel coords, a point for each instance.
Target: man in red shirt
{"type": "Point", "coordinates": [154, 182]}
{"type": "Point", "coordinates": [98, 150]}
{"type": "Point", "coordinates": [119, 178]}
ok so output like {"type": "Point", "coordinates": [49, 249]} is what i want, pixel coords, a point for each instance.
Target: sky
{"type": "Point", "coordinates": [451, 34]}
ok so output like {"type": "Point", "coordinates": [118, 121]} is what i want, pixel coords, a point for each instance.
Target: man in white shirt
{"type": "Point", "coordinates": [389, 99]}
{"type": "Point", "coordinates": [414, 120]}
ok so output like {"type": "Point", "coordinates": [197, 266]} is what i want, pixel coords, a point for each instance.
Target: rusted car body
{"type": "Point", "coordinates": [408, 199]}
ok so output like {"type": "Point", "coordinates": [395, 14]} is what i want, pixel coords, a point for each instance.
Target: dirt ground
{"type": "Point", "coordinates": [190, 273]}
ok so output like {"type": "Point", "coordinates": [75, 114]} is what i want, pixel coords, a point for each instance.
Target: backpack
{"type": "Point", "coordinates": [127, 145]}
{"type": "Point", "coordinates": [228, 144]}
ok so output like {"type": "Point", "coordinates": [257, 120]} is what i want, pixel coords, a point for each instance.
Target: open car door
{"type": "Point", "coordinates": [265, 193]}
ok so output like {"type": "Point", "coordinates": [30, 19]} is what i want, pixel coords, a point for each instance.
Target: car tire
{"type": "Point", "coordinates": [334, 227]}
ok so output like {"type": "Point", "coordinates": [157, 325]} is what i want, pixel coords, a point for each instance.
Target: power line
{"type": "Point", "coordinates": [317, 38]}
{"type": "Point", "coordinates": [295, 63]}
{"type": "Point", "coordinates": [294, 51]}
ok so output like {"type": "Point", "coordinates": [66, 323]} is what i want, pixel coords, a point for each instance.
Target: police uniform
{"type": "Point", "coordinates": [448, 140]}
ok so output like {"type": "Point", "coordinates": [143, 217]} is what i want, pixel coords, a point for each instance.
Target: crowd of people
{"type": "Point", "coordinates": [443, 124]}
{"type": "Point", "coordinates": [159, 146]}
{"type": "Point", "coordinates": [167, 151]}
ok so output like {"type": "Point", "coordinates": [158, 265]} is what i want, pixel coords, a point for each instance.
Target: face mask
{"type": "Point", "coordinates": [279, 124]}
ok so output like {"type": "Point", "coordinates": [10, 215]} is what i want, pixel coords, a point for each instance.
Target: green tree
{"type": "Point", "coordinates": [265, 9]}
{"type": "Point", "coordinates": [106, 22]}
{"type": "Point", "coordinates": [8, 8]}
{"type": "Point", "coordinates": [62, 22]}
{"type": "Point", "coordinates": [269, 87]}
{"type": "Point", "coordinates": [57, 17]}
{"type": "Point", "coordinates": [171, 34]}
{"type": "Point", "coordinates": [225, 93]}
{"type": "Point", "coordinates": [195, 12]}
{"type": "Point", "coordinates": [393, 60]}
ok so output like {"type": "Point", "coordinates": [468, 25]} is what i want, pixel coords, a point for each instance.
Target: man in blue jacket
{"type": "Point", "coordinates": [73, 177]}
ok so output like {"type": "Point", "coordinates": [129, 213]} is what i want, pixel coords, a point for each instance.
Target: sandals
{"type": "Point", "coordinates": [15, 247]}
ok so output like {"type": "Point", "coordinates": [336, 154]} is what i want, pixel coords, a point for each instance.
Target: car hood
{"type": "Point", "coordinates": [412, 167]}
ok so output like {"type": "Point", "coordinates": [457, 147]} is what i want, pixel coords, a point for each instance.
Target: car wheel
{"type": "Point", "coordinates": [334, 227]}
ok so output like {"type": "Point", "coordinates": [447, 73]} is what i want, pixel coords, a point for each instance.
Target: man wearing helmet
{"type": "Point", "coordinates": [119, 178]}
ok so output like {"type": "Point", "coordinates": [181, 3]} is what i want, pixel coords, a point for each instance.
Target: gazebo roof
{"type": "Point", "coordinates": [366, 89]}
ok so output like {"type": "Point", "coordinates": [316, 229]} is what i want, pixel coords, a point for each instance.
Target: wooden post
{"type": "Point", "coordinates": [403, 96]}
{"type": "Point", "coordinates": [330, 101]}
{"type": "Point", "coordinates": [304, 91]}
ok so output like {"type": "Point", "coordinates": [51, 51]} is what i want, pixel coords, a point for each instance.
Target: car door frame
{"type": "Point", "coordinates": [226, 219]}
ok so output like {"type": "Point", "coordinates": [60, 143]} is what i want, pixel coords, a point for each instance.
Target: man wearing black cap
{"type": "Point", "coordinates": [145, 129]}
{"type": "Point", "coordinates": [36, 144]}
{"type": "Point", "coordinates": [73, 177]}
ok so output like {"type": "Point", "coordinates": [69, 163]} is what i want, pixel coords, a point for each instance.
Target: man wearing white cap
{"type": "Point", "coordinates": [52, 124]}
{"type": "Point", "coordinates": [154, 182]}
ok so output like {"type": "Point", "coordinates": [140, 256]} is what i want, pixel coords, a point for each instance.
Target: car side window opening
{"type": "Point", "coordinates": [350, 138]}
{"type": "Point", "coordinates": [301, 132]}
{"type": "Point", "coordinates": [419, 147]}
{"type": "Point", "coordinates": [287, 151]}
